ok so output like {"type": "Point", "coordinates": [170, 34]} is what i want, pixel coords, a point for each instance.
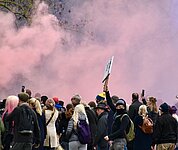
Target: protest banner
{"type": "Point", "coordinates": [108, 67]}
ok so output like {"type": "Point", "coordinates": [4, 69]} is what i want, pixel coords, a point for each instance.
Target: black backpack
{"type": "Point", "coordinates": [26, 120]}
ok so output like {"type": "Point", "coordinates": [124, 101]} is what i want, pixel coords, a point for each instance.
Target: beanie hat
{"type": "Point", "coordinates": [121, 102]}
{"type": "Point", "coordinates": [100, 97]}
{"type": "Point", "coordinates": [23, 97]}
{"type": "Point", "coordinates": [56, 99]}
{"type": "Point", "coordinates": [164, 107]}
{"type": "Point", "coordinates": [77, 97]}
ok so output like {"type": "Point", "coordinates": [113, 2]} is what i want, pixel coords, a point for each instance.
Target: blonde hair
{"type": "Point", "coordinates": [36, 104]}
{"type": "Point", "coordinates": [143, 110]}
{"type": "Point", "coordinates": [78, 110]}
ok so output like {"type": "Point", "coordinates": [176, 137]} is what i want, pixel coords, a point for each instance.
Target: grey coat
{"type": "Point", "coordinates": [71, 133]}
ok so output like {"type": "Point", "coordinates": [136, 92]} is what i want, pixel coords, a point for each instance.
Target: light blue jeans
{"type": "Point", "coordinates": [76, 145]}
{"type": "Point", "coordinates": [119, 144]}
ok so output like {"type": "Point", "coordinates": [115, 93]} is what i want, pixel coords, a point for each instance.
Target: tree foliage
{"type": "Point", "coordinates": [20, 8]}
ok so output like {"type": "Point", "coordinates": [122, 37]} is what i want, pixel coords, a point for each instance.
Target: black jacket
{"type": "Point", "coordinates": [133, 109]}
{"type": "Point", "coordinates": [102, 131]}
{"type": "Point", "coordinates": [165, 130]}
{"type": "Point", "coordinates": [92, 118]}
{"type": "Point", "coordinates": [24, 138]}
{"type": "Point", "coordinates": [120, 127]}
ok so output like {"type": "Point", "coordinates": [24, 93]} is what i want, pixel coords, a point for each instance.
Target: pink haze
{"type": "Point", "coordinates": [54, 61]}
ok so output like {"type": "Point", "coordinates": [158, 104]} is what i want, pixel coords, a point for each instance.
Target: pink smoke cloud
{"type": "Point", "coordinates": [59, 62]}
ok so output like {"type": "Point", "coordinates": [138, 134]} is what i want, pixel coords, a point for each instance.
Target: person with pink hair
{"type": "Point", "coordinates": [11, 102]}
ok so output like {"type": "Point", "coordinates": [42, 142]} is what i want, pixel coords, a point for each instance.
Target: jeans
{"type": "Point", "coordinates": [76, 145]}
{"type": "Point", "coordinates": [22, 146]}
{"type": "Point", "coordinates": [65, 145]}
{"type": "Point", "coordinates": [119, 144]}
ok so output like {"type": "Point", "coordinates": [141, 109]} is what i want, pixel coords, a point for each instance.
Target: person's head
{"type": "Point", "coordinates": [79, 109]}
{"type": "Point", "coordinates": [76, 99]}
{"type": "Point", "coordinates": [37, 95]}
{"type": "Point", "coordinates": [35, 104]}
{"type": "Point", "coordinates": [114, 99]}
{"type": "Point", "coordinates": [173, 110]}
{"type": "Point", "coordinates": [11, 102]}
{"type": "Point", "coordinates": [164, 108]}
{"type": "Point", "coordinates": [44, 99]}
{"type": "Point", "coordinates": [120, 106]}
{"type": "Point", "coordinates": [100, 97]}
{"type": "Point", "coordinates": [69, 106]}
{"type": "Point", "coordinates": [142, 111]}
{"type": "Point", "coordinates": [135, 97]}
{"type": "Point", "coordinates": [23, 97]}
{"type": "Point", "coordinates": [151, 103]}
{"type": "Point", "coordinates": [50, 104]}
{"type": "Point", "coordinates": [29, 92]}
{"type": "Point", "coordinates": [61, 102]}
{"type": "Point", "coordinates": [69, 110]}
{"type": "Point", "coordinates": [56, 100]}
{"type": "Point", "coordinates": [100, 108]}
{"type": "Point", "coordinates": [92, 104]}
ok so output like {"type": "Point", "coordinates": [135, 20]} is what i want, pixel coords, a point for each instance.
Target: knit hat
{"type": "Point", "coordinates": [121, 102]}
{"type": "Point", "coordinates": [23, 97]}
{"type": "Point", "coordinates": [56, 99]}
{"type": "Point", "coordinates": [100, 97]}
{"type": "Point", "coordinates": [164, 107]}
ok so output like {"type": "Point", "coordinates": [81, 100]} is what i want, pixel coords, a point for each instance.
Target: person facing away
{"type": "Point", "coordinates": [11, 103]}
{"type": "Point", "coordinates": [133, 108]}
{"type": "Point", "coordinates": [102, 127]}
{"type": "Point", "coordinates": [24, 141]}
{"type": "Point", "coordinates": [71, 133]}
{"type": "Point", "coordinates": [36, 106]}
{"type": "Point", "coordinates": [165, 131]}
{"type": "Point", "coordinates": [142, 140]}
{"type": "Point", "coordinates": [92, 119]}
{"type": "Point", "coordinates": [51, 115]}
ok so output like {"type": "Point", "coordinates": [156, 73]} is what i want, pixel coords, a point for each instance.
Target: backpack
{"type": "Point", "coordinates": [131, 134]}
{"type": "Point", "coordinates": [26, 121]}
{"type": "Point", "coordinates": [83, 132]}
{"type": "Point", "coordinates": [147, 126]}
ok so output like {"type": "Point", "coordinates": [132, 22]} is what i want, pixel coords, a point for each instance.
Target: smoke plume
{"type": "Point", "coordinates": [60, 60]}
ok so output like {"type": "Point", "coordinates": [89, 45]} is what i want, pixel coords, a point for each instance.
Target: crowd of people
{"type": "Point", "coordinates": [54, 125]}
